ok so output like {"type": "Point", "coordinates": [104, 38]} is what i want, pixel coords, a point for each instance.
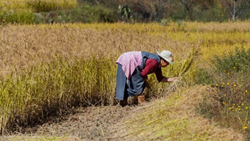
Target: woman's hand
{"type": "Point", "coordinates": [165, 79]}
{"type": "Point", "coordinates": [172, 79]}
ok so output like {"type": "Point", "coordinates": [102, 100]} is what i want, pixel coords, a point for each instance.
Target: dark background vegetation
{"type": "Point", "coordinates": [163, 11]}
{"type": "Point", "coordinates": [132, 11]}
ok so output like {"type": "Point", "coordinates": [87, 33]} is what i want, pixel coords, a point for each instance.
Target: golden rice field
{"type": "Point", "coordinates": [48, 68]}
{"type": "Point", "coordinates": [37, 5]}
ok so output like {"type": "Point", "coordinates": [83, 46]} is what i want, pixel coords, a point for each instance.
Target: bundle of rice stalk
{"type": "Point", "coordinates": [187, 67]}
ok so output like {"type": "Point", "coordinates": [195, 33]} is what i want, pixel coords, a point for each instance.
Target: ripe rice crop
{"type": "Point", "coordinates": [47, 68]}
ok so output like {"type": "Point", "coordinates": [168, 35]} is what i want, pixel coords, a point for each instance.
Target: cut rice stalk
{"type": "Point", "coordinates": [185, 67]}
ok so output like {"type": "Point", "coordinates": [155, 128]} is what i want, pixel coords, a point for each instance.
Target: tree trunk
{"type": "Point", "coordinates": [150, 18]}
{"type": "Point", "coordinates": [234, 11]}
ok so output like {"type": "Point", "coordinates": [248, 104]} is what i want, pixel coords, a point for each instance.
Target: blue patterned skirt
{"type": "Point", "coordinates": [134, 86]}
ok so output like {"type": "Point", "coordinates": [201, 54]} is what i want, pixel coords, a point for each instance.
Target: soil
{"type": "Point", "coordinates": [91, 123]}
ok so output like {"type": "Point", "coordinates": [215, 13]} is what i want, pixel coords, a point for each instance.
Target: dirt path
{"type": "Point", "coordinates": [92, 123]}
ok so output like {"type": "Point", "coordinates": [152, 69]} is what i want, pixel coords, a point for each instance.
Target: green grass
{"type": "Point", "coordinates": [23, 11]}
